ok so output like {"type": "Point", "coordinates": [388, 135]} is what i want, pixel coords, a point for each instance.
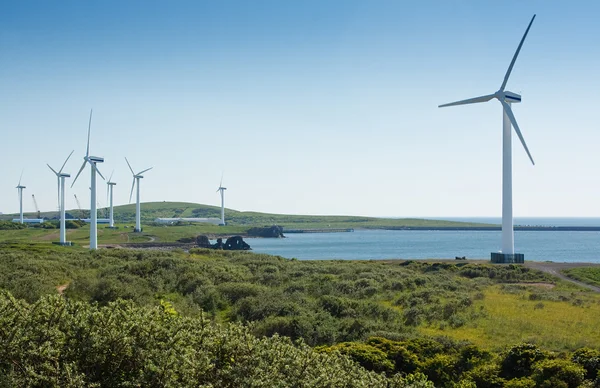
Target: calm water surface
{"type": "Point", "coordinates": [412, 244]}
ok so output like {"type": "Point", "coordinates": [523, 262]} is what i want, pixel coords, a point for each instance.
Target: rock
{"type": "Point", "coordinates": [236, 243]}
{"type": "Point", "coordinates": [218, 245]}
{"type": "Point", "coordinates": [202, 241]}
{"type": "Point", "coordinates": [267, 231]}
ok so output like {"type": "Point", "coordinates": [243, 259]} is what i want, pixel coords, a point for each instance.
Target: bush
{"type": "Point", "coordinates": [368, 356]}
{"type": "Point", "coordinates": [9, 225]}
{"type": "Point", "coordinates": [558, 373]}
{"type": "Point", "coordinates": [74, 224]}
{"type": "Point", "coordinates": [519, 360]}
{"type": "Point", "coordinates": [57, 342]}
{"type": "Point", "coordinates": [589, 359]}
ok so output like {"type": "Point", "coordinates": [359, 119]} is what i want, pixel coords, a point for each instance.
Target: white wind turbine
{"type": "Point", "coordinates": [506, 98]}
{"type": "Point", "coordinates": [222, 190]}
{"type": "Point", "coordinates": [109, 189]}
{"type": "Point", "coordinates": [136, 180]}
{"type": "Point", "coordinates": [61, 198]}
{"type": "Point", "coordinates": [92, 160]}
{"type": "Point", "coordinates": [20, 190]}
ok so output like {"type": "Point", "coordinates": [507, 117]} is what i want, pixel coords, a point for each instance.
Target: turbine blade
{"type": "Point", "coordinates": [111, 174]}
{"type": "Point", "coordinates": [80, 170]}
{"type": "Point", "coordinates": [87, 152]}
{"type": "Point", "coordinates": [51, 169]}
{"type": "Point", "coordinates": [513, 121]}
{"type": "Point", "coordinates": [132, 186]}
{"type": "Point", "coordinates": [221, 184]}
{"type": "Point", "coordinates": [469, 101]}
{"type": "Point", "coordinates": [20, 177]}
{"type": "Point", "coordinates": [63, 166]}
{"type": "Point", "coordinates": [129, 166]}
{"type": "Point", "coordinates": [512, 63]}
{"type": "Point", "coordinates": [98, 171]}
{"type": "Point", "coordinates": [148, 169]}
{"type": "Point", "coordinates": [218, 190]}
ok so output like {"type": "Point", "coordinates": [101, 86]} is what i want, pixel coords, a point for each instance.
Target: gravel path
{"type": "Point", "coordinates": [556, 268]}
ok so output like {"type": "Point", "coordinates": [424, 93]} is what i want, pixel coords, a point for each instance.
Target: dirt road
{"type": "Point", "coordinates": [556, 268]}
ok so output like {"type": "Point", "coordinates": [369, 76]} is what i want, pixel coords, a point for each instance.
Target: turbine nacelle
{"type": "Point", "coordinates": [507, 96]}
{"type": "Point", "coordinates": [95, 159]}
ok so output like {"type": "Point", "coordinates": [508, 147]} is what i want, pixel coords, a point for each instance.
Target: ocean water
{"type": "Point", "coordinates": [563, 246]}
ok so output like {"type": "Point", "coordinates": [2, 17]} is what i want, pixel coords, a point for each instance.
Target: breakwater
{"type": "Point", "coordinates": [494, 228]}
{"type": "Point", "coordinates": [324, 230]}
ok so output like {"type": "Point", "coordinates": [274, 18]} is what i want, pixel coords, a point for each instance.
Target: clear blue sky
{"type": "Point", "coordinates": [316, 107]}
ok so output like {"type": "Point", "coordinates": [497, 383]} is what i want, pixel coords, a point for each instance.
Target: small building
{"type": "Point", "coordinates": [170, 221]}
{"type": "Point", "coordinates": [29, 220]}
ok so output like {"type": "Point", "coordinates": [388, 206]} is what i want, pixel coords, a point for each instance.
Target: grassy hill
{"type": "Point", "coordinates": [153, 210]}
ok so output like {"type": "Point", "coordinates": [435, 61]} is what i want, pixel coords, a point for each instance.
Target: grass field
{"type": "Point", "coordinates": [123, 234]}
{"type": "Point", "coordinates": [552, 318]}
{"type": "Point", "coordinates": [585, 274]}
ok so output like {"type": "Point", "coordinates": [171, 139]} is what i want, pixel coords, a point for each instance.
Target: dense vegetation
{"type": "Point", "coordinates": [63, 343]}
{"type": "Point", "coordinates": [393, 318]}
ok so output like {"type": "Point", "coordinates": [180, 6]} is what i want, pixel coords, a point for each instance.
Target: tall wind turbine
{"type": "Point", "coordinates": [61, 198]}
{"type": "Point", "coordinates": [506, 98]}
{"type": "Point", "coordinates": [222, 190]}
{"type": "Point", "coordinates": [136, 180]}
{"type": "Point", "coordinates": [92, 160]}
{"type": "Point", "coordinates": [20, 190]}
{"type": "Point", "coordinates": [109, 194]}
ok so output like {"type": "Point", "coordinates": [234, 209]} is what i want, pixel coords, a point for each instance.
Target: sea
{"type": "Point", "coordinates": [557, 246]}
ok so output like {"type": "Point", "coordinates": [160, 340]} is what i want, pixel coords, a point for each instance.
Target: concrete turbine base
{"type": "Point", "coordinates": [64, 244]}
{"type": "Point", "coordinates": [507, 258]}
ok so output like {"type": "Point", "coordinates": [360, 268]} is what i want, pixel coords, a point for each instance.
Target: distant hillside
{"type": "Point", "coordinates": [153, 210]}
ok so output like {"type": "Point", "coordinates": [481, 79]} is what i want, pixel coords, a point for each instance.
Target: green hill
{"type": "Point", "coordinates": [153, 210]}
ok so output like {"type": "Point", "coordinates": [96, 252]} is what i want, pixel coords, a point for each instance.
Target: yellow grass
{"type": "Point", "coordinates": [512, 318]}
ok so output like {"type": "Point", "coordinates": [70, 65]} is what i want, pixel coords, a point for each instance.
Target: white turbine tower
{"type": "Point", "coordinates": [109, 192]}
{"type": "Point", "coordinates": [92, 160]}
{"type": "Point", "coordinates": [20, 190]}
{"type": "Point", "coordinates": [506, 98]}
{"type": "Point", "coordinates": [222, 190]}
{"type": "Point", "coordinates": [61, 199]}
{"type": "Point", "coordinates": [136, 181]}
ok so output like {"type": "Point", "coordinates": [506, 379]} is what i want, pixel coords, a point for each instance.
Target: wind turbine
{"type": "Point", "coordinates": [92, 160]}
{"type": "Point", "coordinates": [136, 179]}
{"type": "Point", "coordinates": [61, 198]}
{"type": "Point", "coordinates": [506, 98]}
{"type": "Point", "coordinates": [222, 190]}
{"type": "Point", "coordinates": [109, 189]}
{"type": "Point", "coordinates": [20, 189]}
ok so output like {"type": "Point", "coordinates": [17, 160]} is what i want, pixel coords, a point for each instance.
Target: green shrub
{"type": "Point", "coordinates": [523, 382]}
{"type": "Point", "coordinates": [57, 342]}
{"type": "Point", "coordinates": [519, 360]}
{"type": "Point", "coordinates": [440, 369]}
{"type": "Point", "coordinates": [589, 359]}
{"type": "Point", "coordinates": [486, 376]}
{"type": "Point", "coordinates": [558, 373]}
{"type": "Point", "coordinates": [368, 356]}
{"type": "Point", "coordinates": [9, 225]}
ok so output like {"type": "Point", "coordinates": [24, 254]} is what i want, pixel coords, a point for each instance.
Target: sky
{"type": "Point", "coordinates": [305, 107]}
